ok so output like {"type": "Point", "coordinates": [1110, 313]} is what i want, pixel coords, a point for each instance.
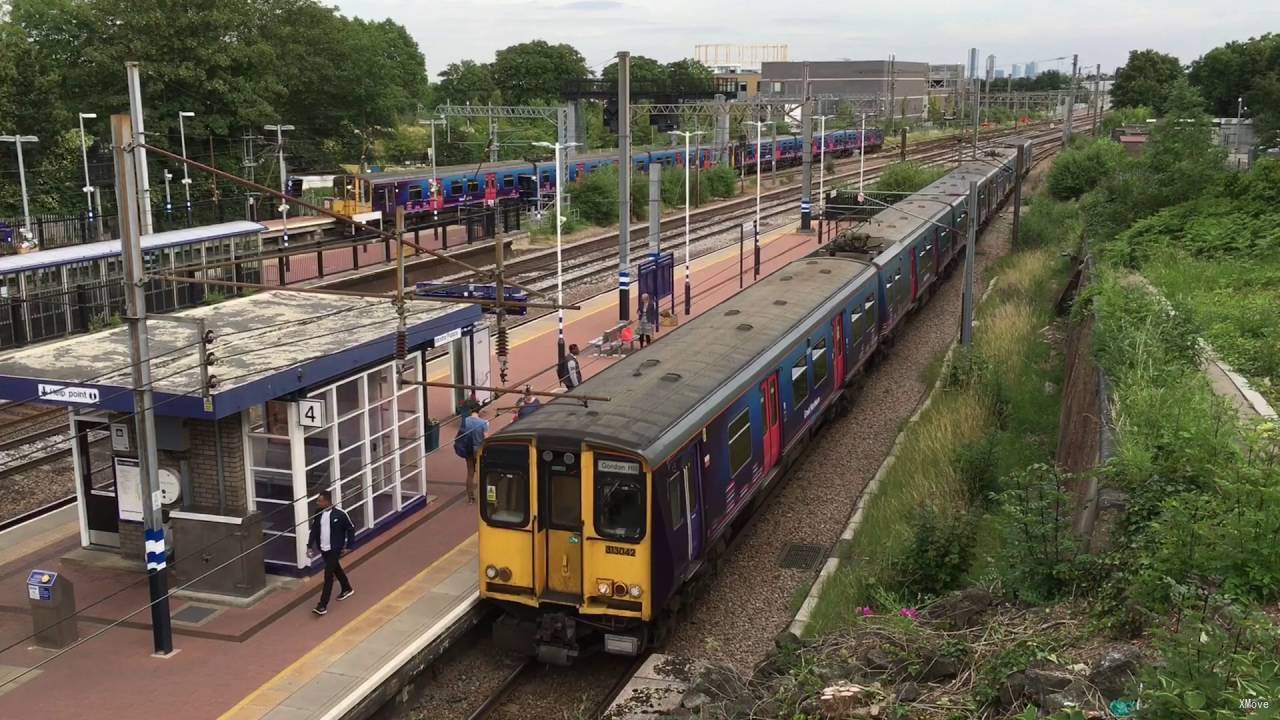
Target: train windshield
{"type": "Point", "coordinates": [619, 498]}
{"type": "Point", "coordinates": [504, 473]}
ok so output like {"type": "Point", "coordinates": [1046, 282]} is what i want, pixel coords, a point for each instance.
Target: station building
{"type": "Point", "coordinates": [303, 394]}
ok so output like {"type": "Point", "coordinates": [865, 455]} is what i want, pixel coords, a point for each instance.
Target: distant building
{"type": "Point", "coordinates": [1031, 70]}
{"type": "Point", "coordinates": [1017, 71]}
{"type": "Point", "coordinates": [999, 73]}
{"type": "Point", "coordinates": [1240, 140]}
{"type": "Point", "coordinates": [737, 83]}
{"type": "Point", "coordinates": [905, 85]}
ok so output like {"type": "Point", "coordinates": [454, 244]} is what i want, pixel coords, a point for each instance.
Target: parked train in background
{"type": "Point", "coordinates": [596, 517]}
{"type": "Point", "coordinates": [514, 180]}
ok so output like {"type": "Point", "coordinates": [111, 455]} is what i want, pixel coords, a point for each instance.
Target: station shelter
{"type": "Point", "coordinates": [303, 392]}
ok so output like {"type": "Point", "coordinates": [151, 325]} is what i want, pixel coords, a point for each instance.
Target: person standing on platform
{"type": "Point", "coordinates": [647, 319]}
{"type": "Point", "coordinates": [471, 430]}
{"type": "Point", "coordinates": [331, 535]}
{"type": "Point", "coordinates": [527, 403]}
{"type": "Point", "coordinates": [571, 374]}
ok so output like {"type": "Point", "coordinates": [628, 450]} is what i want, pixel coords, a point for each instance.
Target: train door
{"type": "Point", "coordinates": [582, 173]}
{"type": "Point", "coordinates": [490, 188]}
{"type": "Point", "coordinates": [772, 424]}
{"type": "Point", "coordinates": [837, 340]}
{"type": "Point", "coordinates": [560, 511]}
{"type": "Point", "coordinates": [684, 501]}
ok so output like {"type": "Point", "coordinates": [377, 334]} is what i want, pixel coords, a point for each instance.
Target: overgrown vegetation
{"type": "Point", "coordinates": [1080, 168]}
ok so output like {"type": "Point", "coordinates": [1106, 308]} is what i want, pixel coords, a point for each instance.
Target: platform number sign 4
{"type": "Point", "coordinates": [311, 413]}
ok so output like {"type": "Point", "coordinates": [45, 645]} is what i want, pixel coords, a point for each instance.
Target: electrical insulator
{"type": "Point", "coordinates": [210, 359]}
{"type": "Point", "coordinates": [209, 337]}
{"type": "Point", "coordinates": [213, 381]}
{"type": "Point", "coordinates": [503, 346]}
{"type": "Point", "coordinates": [402, 345]}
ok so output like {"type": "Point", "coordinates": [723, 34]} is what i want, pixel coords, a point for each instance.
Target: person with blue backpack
{"type": "Point", "coordinates": [471, 431]}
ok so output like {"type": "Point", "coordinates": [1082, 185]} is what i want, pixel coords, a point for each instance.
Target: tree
{"type": "Point", "coordinates": [1145, 80]}
{"type": "Point", "coordinates": [1230, 71]}
{"type": "Point", "coordinates": [534, 72]}
{"type": "Point", "coordinates": [644, 71]}
{"type": "Point", "coordinates": [689, 73]}
{"type": "Point", "coordinates": [467, 82]}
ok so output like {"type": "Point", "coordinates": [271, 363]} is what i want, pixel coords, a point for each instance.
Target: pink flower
{"type": "Point", "coordinates": [909, 613]}
{"type": "Point", "coordinates": [867, 611]}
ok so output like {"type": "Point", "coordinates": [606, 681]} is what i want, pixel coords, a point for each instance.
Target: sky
{"type": "Point", "coordinates": [1015, 31]}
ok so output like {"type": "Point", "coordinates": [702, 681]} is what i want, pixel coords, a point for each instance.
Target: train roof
{"type": "Point", "coordinates": [902, 221]}
{"type": "Point", "coordinates": [662, 394]}
{"type": "Point", "coordinates": [486, 167]}
{"type": "Point", "coordinates": [93, 251]}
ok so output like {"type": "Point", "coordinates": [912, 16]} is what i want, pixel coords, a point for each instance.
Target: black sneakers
{"type": "Point", "coordinates": [320, 610]}
{"type": "Point", "coordinates": [346, 593]}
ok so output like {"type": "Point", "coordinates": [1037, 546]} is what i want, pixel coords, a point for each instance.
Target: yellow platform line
{"type": "Point", "coordinates": [275, 691]}
{"type": "Point", "coordinates": [605, 300]}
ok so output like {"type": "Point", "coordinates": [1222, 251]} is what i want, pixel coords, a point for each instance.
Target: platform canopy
{"type": "Point", "coordinates": [267, 346]}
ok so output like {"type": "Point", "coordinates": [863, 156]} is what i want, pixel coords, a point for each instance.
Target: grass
{"type": "Point", "coordinates": [1235, 304]}
{"type": "Point", "coordinates": [1009, 407]}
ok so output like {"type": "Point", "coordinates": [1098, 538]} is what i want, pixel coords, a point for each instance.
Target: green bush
{"type": "Point", "coordinates": [907, 177]}
{"type": "Point", "coordinates": [1049, 223]}
{"type": "Point", "coordinates": [1039, 552]}
{"type": "Point", "coordinates": [595, 197]}
{"type": "Point", "coordinates": [720, 181]}
{"type": "Point", "coordinates": [937, 554]}
{"type": "Point", "coordinates": [1080, 169]}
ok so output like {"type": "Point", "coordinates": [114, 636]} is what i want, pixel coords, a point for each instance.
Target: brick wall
{"type": "Point", "coordinates": [131, 543]}
{"type": "Point", "coordinates": [203, 460]}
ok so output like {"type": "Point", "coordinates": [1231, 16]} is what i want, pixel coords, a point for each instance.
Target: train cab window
{"type": "Point", "coordinates": [619, 499]}
{"type": "Point", "coordinates": [504, 473]}
{"type": "Point", "coordinates": [739, 442]}
{"type": "Point", "coordinates": [799, 381]}
{"type": "Point", "coordinates": [415, 193]}
{"type": "Point", "coordinates": [819, 356]}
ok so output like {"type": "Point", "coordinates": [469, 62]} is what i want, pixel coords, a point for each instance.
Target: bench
{"type": "Point", "coordinates": [610, 343]}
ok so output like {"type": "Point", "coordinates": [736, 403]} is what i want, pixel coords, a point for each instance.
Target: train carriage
{"type": "Point", "coordinates": [594, 517]}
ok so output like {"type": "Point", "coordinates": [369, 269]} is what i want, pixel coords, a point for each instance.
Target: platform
{"type": "Point", "coordinates": [275, 659]}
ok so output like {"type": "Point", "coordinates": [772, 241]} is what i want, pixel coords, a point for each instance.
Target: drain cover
{"type": "Point", "coordinates": [798, 556]}
{"type": "Point", "coordinates": [194, 614]}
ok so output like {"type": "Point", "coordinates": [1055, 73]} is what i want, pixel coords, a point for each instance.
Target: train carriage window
{"type": "Point", "coordinates": [739, 442]}
{"type": "Point", "coordinates": [619, 499]}
{"type": "Point", "coordinates": [504, 472]}
{"type": "Point", "coordinates": [508, 182]}
{"type": "Point", "coordinates": [819, 355]}
{"type": "Point", "coordinates": [455, 188]}
{"type": "Point", "coordinates": [415, 193]}
{"type": "Point", "coordinates": [799, 380]}
{"type": "Point", "coordinates": [473, 185]}
{"type": "Point", "coordinates": [675, 498]}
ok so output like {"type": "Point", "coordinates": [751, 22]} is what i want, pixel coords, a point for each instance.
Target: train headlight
{"type": "Point", "coordinates": [619, 589]}
{"type": "Point", "coordinates": [504, 574]}
{"type": "Point", "coordinates": [604, 587]}
{"type": "Point", "coordinates": [636, 591]}
{"type": "Point", "coordinates": [491, 572]}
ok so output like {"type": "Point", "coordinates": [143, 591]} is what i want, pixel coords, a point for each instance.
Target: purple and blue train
{"type": "Point", "coordinates": [596, 516]}
{"type": "Point", "coordinates": [493, 183]}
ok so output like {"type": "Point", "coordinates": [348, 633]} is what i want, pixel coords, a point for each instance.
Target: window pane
{"type": "Point", "coordinates": [619, 499]}
{"type": "Point", "coordinates": [351, 461]}
{"type": "Point", "coordinates": [320, 478]}
{"type": "Point", "coordinates": [739, 442]}
{"type": "Point", "coordinates": [380, 384]}
{"type": "Point", "coordinates": [505, 492]}
{"type": "Point", "coordinates": [407, 403]}
{"type": "Point", "coordinates": [675, 499]}
{"type": "Point", "coordinates": [316, 447]}
{"type": "Point", "coordinates": [350, 432]}
{"type": "Point", "coordinates": [566, 500]}
{"type": "Point", "coordinates": [381, 447]}
{"type": "Point", "coordinates": [273, 485]}
{"type": "Point", "coordinates": [348, 396]}
{"type": "Point", "coordinates": [819, 355]}
{"type": "Point", "coordinates": [271, 453]}
{"type": "Point", "coordinates": [799, 381]}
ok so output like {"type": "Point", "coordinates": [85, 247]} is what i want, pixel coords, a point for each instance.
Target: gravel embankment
{"type": "Point", "coordinates": [30, 489]}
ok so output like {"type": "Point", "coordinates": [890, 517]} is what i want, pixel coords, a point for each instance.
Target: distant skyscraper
{"type": "Point", "coordinates": [999, 73]}
{"type": "Point", "coordinates": [1030, 70]}
{"type": "Point", "coordinates": [1017, 71]}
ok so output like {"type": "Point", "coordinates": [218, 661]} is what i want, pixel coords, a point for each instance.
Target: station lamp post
{"type": "Point", "coordinates": [822, 161]}
{"type": "Point", "coordinates": [688, 287]}
{"type": "Point", "coordinates": [435, 182]}
{"type": "Point", "coordinates": [560, 351]}
{"type": "Point", "coordinates": [759, 168]}
{"type": "Point", "coordinates": [17, 140]}
{"type": "Point", "coordinates": [84, 155]}
{"type": "Point", "coordinates": [168, 199]}
{"type": "Point", "coordinates": [186, 175]}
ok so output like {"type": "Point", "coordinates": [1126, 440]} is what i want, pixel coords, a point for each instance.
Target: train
{"type": "Point", "coordinates": [598, 517]}
{"type": "Point", "coordinates": [516, 180]}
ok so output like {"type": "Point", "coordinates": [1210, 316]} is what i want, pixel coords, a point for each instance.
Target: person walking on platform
{"type": "Point", "coordinates": [571, 372]}
{"type": "Point", "coordinates": [527, 403]}
{"type": "Point", "coordinates": [331, 535]}
{"type": "Point", "coordinates": [471, 430]}
{"type": "Point", "coordinates": [647, 319]}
